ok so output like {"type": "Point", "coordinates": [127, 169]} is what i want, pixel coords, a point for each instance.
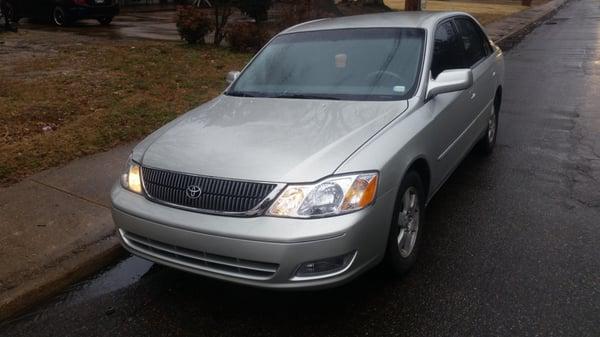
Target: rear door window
{"type": "Point", "coordinates": [473, 41]}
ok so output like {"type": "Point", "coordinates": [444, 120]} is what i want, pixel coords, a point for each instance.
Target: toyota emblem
{"type": "Point", "coordinates": [193, 191]}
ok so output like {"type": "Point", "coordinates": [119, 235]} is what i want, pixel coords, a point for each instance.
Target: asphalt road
{"type": "Point", "coordinates": [512, 246]}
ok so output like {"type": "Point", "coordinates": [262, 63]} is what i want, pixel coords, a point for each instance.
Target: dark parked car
{"type": "Point", "coordinates": [65, 12]}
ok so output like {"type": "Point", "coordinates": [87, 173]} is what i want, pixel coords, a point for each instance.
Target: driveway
{"type": "Point", "coordinates": [156, 25]}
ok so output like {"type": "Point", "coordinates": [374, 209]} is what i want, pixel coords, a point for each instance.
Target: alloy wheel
{"type": "Point", "coordinates": [408, 222]}
{"type": "Point", "coordinates": [491, 131]}
{"type": "Point", "coordinates": [59, 16]}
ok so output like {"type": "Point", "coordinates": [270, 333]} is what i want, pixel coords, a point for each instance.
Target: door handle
{"type": "Point", "coordinates": [473, 95]}
{"type": "Point", "coordinates": [493, 74]}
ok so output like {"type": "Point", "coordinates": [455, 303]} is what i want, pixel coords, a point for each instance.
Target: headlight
{"type": "Point", "coordinates": [132, 178]}
{"type": "Point", "coordinates": [332, 196]}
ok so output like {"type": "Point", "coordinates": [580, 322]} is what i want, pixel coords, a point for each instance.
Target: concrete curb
{"type": "Point", "coordinates": [84, 262]}
{"type": "Point", "coordinates": [87, 259]}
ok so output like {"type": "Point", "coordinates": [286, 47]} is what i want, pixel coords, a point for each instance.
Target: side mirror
{"type": "Point", "coordinates": [232, 76]}
{"type": "Point", "coordinates": [449, 81]}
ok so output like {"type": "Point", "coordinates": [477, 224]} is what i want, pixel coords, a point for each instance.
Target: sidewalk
{"type": "Point", "coordinates": [56, 227]}
{"type": "Point", "coordinates": [509, 30]}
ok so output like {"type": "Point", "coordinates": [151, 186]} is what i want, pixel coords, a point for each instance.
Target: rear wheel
{"type": "Point", "coordinates": [407, 224]}
{"type": "Point", "coordinates": [105, 21]}
{"type": "Point", "coordinates": [60, 17]}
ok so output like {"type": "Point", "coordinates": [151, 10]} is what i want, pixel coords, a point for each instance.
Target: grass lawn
{"type": "Point", "coordinates": [64, 96]}
{"type": "Point", "coordinates": [485, 11]}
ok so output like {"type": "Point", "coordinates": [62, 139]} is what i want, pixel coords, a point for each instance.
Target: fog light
{"type": "Point", "coordinates": [325, 267]}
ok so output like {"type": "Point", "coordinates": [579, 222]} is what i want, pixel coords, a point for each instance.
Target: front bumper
{"type": "Point", "coordinates": [258, 251]}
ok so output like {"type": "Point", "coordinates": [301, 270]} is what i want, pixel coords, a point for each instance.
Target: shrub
{"type": "Point", "coordinates": [193, 24]}
{"type": "Point", "coordinates": [306, 10]}
{"type": "Point", "coordinates": [247, 36]}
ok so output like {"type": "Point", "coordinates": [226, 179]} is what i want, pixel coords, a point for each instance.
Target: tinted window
{"type": "Point", "coordinates": [447, 52]}
{"type": "Point", "coordinates": [472, 39]}
{"type": "Point", "coordinates": [354, 64]}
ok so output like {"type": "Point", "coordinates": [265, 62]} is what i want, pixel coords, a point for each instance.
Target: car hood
{"type": "Point", "coordinates": [266, 139]}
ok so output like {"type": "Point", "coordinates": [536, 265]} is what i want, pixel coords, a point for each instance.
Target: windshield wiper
{"type": "Point", "coordinates": [241, 94]}
{"type": "Point", "coordinates": [306, 96]}
{"type": "Point", "coordinates": [299, 96]}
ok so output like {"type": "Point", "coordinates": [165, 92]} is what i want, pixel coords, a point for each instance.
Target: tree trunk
{"type": "Point", "coordinates": [373, 2]}
{"type": "Point", "coordinates": [414, 5]}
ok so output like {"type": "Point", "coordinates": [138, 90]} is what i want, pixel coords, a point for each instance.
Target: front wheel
{"type": "Point", "coordinates": [488, 141]}
{"type": "Point", "coordinates": [60, 17]}
{"type": "Point", "coordinates": [407, 224]}
{"type": "Point", "coordinates": [105, 21]}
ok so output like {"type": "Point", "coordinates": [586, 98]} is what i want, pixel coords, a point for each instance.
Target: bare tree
{"type": "Point", "coordinates": [412, 5]}
{"type": "Point", "coordinates": [222, 10]}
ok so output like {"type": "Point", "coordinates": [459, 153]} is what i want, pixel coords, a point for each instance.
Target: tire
{"type": "Point", "coordinates": [60, 17]}
{"type": "Point", "coordinates": [407, 225]}
{"type": "Point", "coordinates": [487, 143]}
{"type": "Point", "coordinates": [105, 21]}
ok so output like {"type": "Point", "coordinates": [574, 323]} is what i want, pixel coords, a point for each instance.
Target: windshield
{"type": "Point", "coordinates": [350, 64]}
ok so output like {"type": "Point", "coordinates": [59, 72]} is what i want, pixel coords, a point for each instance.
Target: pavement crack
{"type": "Point", "coordinates": [70, 193]}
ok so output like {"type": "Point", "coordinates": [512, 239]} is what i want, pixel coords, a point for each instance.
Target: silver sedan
{"type": "Point", "coordinates": [319, 159]}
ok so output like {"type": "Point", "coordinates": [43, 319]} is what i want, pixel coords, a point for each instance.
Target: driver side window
{"type": "Point", "coordinates": [447, 52]}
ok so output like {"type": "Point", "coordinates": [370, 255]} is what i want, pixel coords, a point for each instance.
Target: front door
{"type": "Point", "coordinates": [452, 112]}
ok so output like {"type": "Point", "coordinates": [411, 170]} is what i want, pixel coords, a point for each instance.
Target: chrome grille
{"type": "Point", "coordinates": [200, 260]}
{"type": "Point", "coordinates": [217, 195]}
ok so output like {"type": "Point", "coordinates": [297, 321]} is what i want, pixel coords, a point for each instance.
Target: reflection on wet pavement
{"type": "Point", "coordinates": [122, 274]}
{"type": "Point", "coordinates": [146, 25]}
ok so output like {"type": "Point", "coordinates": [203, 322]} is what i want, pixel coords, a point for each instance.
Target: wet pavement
{"type": "Point", "coordinates": [157, 25]}
{"type": "Point", "coordinates": [511, 248]}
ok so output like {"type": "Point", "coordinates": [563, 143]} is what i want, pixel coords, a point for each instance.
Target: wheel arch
{"type": "Point", "coordinates": [423, 169]}
{"type": "Point", "coordinates": [498, 98]}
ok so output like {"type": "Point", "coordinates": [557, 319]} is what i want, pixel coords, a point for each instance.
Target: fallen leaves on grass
{"type": "Point", "coordinates": [94, 97]}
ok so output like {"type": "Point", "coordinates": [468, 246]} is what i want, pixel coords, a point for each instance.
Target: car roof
{"type": "Point", "coordinates": [418, 19]}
